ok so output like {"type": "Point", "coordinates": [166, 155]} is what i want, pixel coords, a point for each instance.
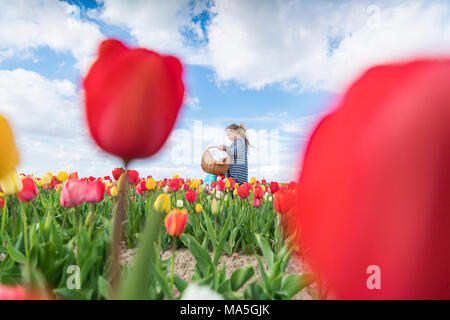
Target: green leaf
{"type": "Point", "coordinates": [180, 284]}
{"type": "Point", "coordinates": [266, 250]}
{"type": "Point", "coordinates": [103, 287]}
{"type": "Point", "coordinates": [135, 286]}
{"type": "Point", "coordinates": [241, 276]}
{"type": "Point", "coordinates": [15, 254]}
{"type": "Point", "coordinates": [201, 255]}
{"type": "Point", "coordinates": [294, 283]}
{"type": "Point", "coordinates": [162, 280]}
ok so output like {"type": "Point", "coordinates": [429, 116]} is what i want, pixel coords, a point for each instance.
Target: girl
{"type": "Point", "coordinates": [237, 150]}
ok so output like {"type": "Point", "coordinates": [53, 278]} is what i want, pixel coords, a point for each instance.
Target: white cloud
{"type": "Point", "coordinates": [161, 25]}
{"type": "Point", "coordinates": [258, 43]}
{"type": "Point", "coordinates": [26, 25]}
{"type": "Point", "coordinates": [193, 102]}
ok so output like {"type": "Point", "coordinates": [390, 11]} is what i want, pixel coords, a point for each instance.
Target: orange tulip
{"type": "Point", "coordinates": [175, 221]}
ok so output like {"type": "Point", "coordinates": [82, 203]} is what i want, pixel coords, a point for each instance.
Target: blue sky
{"type": "Point", "coordinates": [277, 78]}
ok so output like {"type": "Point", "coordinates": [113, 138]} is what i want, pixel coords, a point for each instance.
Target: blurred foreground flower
{"type": "Point", "coordinates": [196, 292]}
{"type": "Point", "coordinates": [9, 156]}
{"type": "Point", "coordinates": [11, 183]}
{"type": "Point", "coordinates": [374, 191]}
{"type": "Point", "coordinates": [125, 91]}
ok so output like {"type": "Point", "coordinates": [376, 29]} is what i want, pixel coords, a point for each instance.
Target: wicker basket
{"type": "Point", "coordinates": [209, 165]}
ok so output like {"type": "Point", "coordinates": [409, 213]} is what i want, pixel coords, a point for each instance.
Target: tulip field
{"type": "Point", "coordinates": [59, 222]}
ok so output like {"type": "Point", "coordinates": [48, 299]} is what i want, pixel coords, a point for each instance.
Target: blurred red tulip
{"type": "Point", "coordinates": [94, 191]}
{"type": "Point", "coordinates": [132, 177]}
{"type": "Point", "coordinates": [256, 202]}
{"type": "Point", "coordinates": [191, 196]}
{"type": "Point", "coordinates": [374, 196]}
{"type": "Point", "coordinates": [29, 191]}
{"type": "Point", "coordinates": [132, 97]}
{"type": "Point", "coordinates": [2, 203]}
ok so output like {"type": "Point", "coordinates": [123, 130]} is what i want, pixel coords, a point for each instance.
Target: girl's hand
{"type": "Point", "coordinates": [222, 147]}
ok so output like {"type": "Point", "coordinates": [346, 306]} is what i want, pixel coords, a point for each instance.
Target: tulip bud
{"type": "Point", "coordinates": [214, 207]}
{"type": "Point", "coordinates": [162, 203]}
{"type": "Point", "coordinates": [180, 203]}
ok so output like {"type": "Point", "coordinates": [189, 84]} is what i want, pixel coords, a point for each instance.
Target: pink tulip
{"type": "Point", "coordinates": [73, 193]}
{"type": "Point", "coordinates": [94, 191]}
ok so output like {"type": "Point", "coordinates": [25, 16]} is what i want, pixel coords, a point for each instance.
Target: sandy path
{"type": "Point", "coordinates": [185, 263]}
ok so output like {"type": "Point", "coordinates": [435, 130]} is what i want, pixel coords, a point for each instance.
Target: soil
{"type": "Point", "coordinates": [185, 263]}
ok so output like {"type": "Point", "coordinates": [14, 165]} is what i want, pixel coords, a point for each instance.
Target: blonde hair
{"type": "Point", "coordinates": [240, 130]}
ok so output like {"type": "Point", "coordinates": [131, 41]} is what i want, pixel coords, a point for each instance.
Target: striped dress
{"type": "Point", "coordinates": [238, 169]}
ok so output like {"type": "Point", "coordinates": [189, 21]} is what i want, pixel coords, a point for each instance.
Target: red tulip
{"type": "Point", "coordinates": [273, 187]}
{"type": "Point", "coordinates": [375, 186]}
{"type": "Point", "coordinates": [2, 203]}
{"type": "Point", "coordinates": [242, 191]}
{"type": "Point", "coordinates": [73, 193]}
{"type": "Point", "coordinates": [141, 188]}
{"type": "Point", "coordinates": [116, 173]}
{"type": "Point", "coordinates": [258, 192]}
{"type": "Point", "coordinates": [29, 191]}
{"type": "Point", "coordinates": [185, 186]}
{"type": "Point", "coordinates": [191, 196]}
{"type": "Point", "coordinates": [256, 202]}
{"type": "Point", "coordinates": [132, 98]}
{"type": "Point", "coordinates": [132, 177]}
{"type": "Point", "coordinates": [220, 185]}
{"type": "Point", "coordinates": [94, 191]}
{"type": "Point", "coordinates": [283, 201]}
{"type": "Point", "coordinates": [174, 185]}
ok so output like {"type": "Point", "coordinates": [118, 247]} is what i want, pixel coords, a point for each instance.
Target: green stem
{"type": "Point", "coordinates": [174, 244]}
{"type": "Point", "coordinates": [25, 231]}
{"type": "Point", "coordinates": [119, 217]}
{"type": "Point", "coordinates": [5, 212]}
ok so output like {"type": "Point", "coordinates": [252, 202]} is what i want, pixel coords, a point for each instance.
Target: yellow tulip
{"type": "Point", "coordinates": [47, 178]}
{"type": "Point", "coordinates": [39, 182]}
{"type": "Point", "coordinates": [235, 192]}
{"type": "Point", "coordinates": [175, 176]}
{"type": "Point", "coordinates": [114, 191]}
{"type": "Point", "coordinates": [162, 203]}
{"type": "Point", "coordinates": [1, 194]}
{"type": "Point", "coordinates": [9, 156]}
{"type": "Point", "coordinates": [11, 183]}
{"type": "Point", "coordinates": [150, 184]}
{"type": "Point", "coordinates": [227, 184]}
{"type": "Point", "coordinates": [198, 208]}
{"type": "Point", "coordinates": [62, 176]}
{"type": "Point", "coordinates": [194, 184]}
{"type": "Point", "coordinates": [252, 180]}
